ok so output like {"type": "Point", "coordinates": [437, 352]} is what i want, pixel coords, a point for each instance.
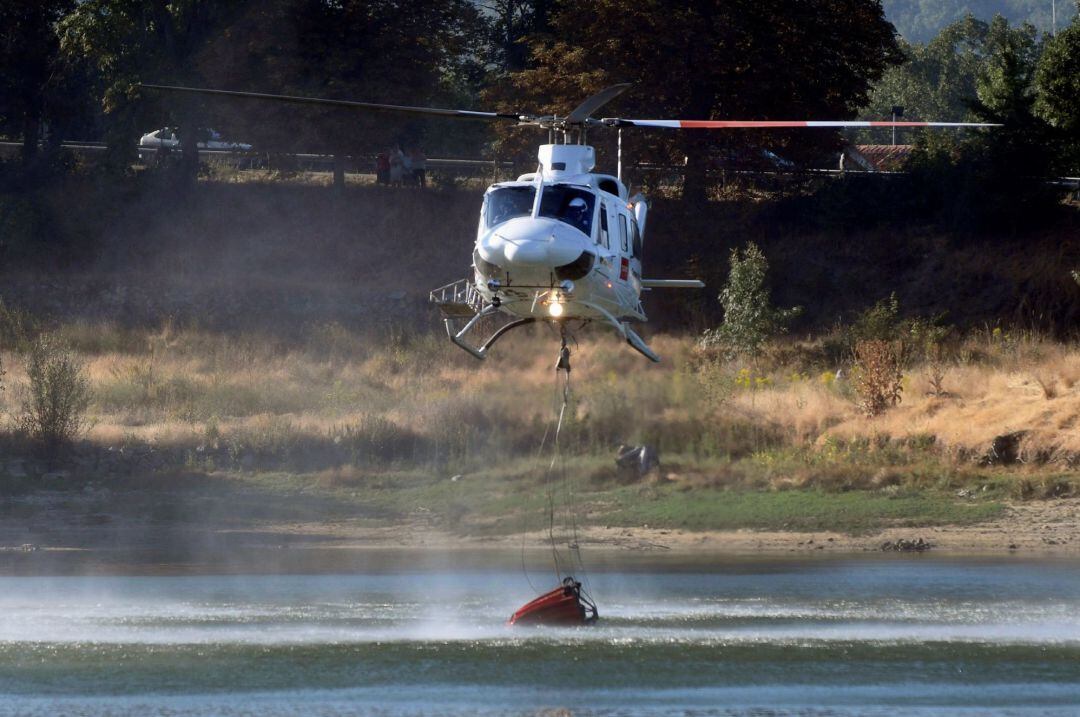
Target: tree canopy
{"type": "Point", "coordinates": [919, 21]}
{"type": "Point", "coordinates": [71, 70]}
{"type": "Point", "coordinates": [938, 80]}
{"type": "Point", "coordinates": [744, 59]}
{"type": "Point", "coordinates": [28, 55]}
{"type": "Point", "coordinates": [1057, 85]}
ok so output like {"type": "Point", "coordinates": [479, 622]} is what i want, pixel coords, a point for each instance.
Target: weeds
{"type": "Point", "coordinates": [936, 369]}
{"type": "Point", "coordinates": [59, 394]}
{"type": "Point", "coordinates": [877, 377]}
{"type": "Point", "coordinates": [18, 328]}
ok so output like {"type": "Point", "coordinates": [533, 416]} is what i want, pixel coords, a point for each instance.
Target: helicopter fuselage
{"type": "Point", "coordinates": [562, 242]}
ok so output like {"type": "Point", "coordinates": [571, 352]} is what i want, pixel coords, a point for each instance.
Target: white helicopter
{"type": "Point", "coordinates": [562, 243]}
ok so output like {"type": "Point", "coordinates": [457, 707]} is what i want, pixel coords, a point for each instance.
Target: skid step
{"type": "Point", "coordinates": [455, 309]}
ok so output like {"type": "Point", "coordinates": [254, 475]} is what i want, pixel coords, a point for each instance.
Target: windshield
{"type": "Point", "coordinates": [569, 204]}
{"type": "Point", "coordinates": [509, 202]}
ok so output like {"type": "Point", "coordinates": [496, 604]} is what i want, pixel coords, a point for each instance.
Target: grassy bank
{"type": "Point", "coordinates": [389, 426]}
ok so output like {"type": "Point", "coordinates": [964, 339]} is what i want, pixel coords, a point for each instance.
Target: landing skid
{"type": "Point", "coordinates": [463, 307]}
{"type": "Point", "coordinates": [458, 335]}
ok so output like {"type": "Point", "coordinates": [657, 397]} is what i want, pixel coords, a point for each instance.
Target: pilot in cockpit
{"type": "Point", "coordinates": [577, 214]}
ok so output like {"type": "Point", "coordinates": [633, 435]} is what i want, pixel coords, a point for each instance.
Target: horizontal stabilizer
{"type": "Point", "coordinates": [672, 284]}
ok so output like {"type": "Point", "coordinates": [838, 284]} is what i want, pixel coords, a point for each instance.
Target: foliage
{"type": "Point", "coordinates": [877, 377]}
{"type": "Point", "coordinates": [18, 327]}
{"type": "Point", "coordinates": [921, 20]}
{"type": "Point", "coordinates": [919, 338]}
{"type": "Point", "coordinates": [880, 322]}
{"type": "Point", "coordinates": [28, 54]}
{"type": "Point", "coordinates": [1057, 82]}
{"type": "Point", "coordinates": [508, 25]}
{"type": "Point", "coordinates": [131, 41]}
{"type": "Point", "coordinates": [985, 181]}
{"type": "Point", "coordinates": [59, 393]}
{"type": "Point", "coordinates": [374, 439]}
{"type": "Point", "coordinates": [938, 80]}
{"type": "Point", "coordinates": [375, 50]}
{"type": "Point", "coordinates": [749, 316]}
{"type": "Point", "coordinates": [760, 59]}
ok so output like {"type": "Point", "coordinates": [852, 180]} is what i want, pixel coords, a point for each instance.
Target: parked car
{"type": "Point", "coordinates": [168, 138]}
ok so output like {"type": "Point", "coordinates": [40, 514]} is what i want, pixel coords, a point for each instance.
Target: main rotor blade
{"type": "Point", "coordinates": [349, 104]}
{"type": "Point", "coordinates": [774, 124]}
{"type": "Point", "coordinates": [583, 111]}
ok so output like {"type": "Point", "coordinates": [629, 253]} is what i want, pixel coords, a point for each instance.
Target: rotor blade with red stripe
{"type": "Point", "coordinates": [348, 104]}
{"type": "Point", "coordinates": [775, 124]}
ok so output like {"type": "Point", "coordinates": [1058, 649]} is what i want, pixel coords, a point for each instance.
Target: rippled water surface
{"type": "Point", "coordinates": [916, 636]}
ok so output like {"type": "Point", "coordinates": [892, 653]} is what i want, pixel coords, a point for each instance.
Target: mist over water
{"type": "Point", "coordinates": [816, 637]}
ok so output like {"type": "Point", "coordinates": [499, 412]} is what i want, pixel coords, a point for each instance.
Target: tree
{"type": "Point", "coordinates": [936, 80]}
{"type": "Point", "coordinates": [986, 180]}
{"type": "Point", "coordinates": [746, 59]}
{"type": "Point", "coordinates": [509, 24]}
{"type": "Point", "coordinates": [132, 41]}
{"type": "Point", "coordinates": [28, 55]}
{"type": "Point", "coordinates": [1057, 90]}
{"type": "Point", "coordinates": [943, 79]}
{"type": "Point", "coordinates": [1019, 154]}
{"type": "Point", "coordinates": [391, 51]}
{"type": "Point", "coordinates": [749, 316]}
{"type": "Point", "coordinates": [920, 20]}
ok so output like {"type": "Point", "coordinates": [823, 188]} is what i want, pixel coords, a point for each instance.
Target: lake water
{"type": "Point", "coordinates": [406, 635]}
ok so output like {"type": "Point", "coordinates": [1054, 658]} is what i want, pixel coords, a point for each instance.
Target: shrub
{"type": "Point", "coordinates": [877, 377]}
{"type": "Point", "coordinates": [749, 316]}
{"type": "Point", "coordinates": [59, 393]}
{"type": "Point", "coordinates": [881, 322]}
{"type": "Point", "coordinates": [17, 328]}
{"type": "Point", "coordinates": [373, 440]}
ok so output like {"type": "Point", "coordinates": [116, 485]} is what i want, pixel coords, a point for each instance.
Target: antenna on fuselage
{"type": "Point", "coordinates": [618, 164]}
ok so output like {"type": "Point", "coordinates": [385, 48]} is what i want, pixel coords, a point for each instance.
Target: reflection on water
{"type": "Point", "coordinates": [823, 637]}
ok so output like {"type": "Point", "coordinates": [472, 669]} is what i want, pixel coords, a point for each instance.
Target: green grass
{"type": "Point", "coordinates": [797, 510]}
{"type": "Point", "coordinates": [506, 499]}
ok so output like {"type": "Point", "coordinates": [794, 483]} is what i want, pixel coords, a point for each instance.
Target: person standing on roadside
{"type": "Point", "coordinates": [406, 169]}
{"type": "Point", "coordinates": [419, 166]}
{"type": "Point", "coordinates": [397, 166]}
{"type": "Point", "coordinates": [382, 167]}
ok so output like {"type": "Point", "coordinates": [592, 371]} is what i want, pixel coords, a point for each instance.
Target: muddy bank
{"type": "Point", "coordinates": [91, 543]}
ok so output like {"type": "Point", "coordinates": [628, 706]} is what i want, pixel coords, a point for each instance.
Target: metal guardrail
{"type": "Point", "coordinates": [264, 159]}
{"type": "Point", "coordinates": [311, 158]}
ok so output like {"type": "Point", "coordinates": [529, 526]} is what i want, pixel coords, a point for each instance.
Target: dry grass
{"type": "Point", "coordinates": [182, 387]}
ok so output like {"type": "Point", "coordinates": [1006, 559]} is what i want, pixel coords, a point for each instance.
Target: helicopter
{"type": "Point", "coordinates": [563, 243]}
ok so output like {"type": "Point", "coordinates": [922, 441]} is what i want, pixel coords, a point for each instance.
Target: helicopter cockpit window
{"type": "Point", "coordinates": [509, 202]}
{"type": "Point", "coordinates": [569, 204]}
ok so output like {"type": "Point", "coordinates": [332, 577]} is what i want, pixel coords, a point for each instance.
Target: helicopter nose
{"type": "Point", "coordinates": [532, 242]}
{"type": "Point", "coordinates": [527, 253]}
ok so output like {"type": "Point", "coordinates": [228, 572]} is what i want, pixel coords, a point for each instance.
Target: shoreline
{"type": "Point", "coordinates": [1034, 529]}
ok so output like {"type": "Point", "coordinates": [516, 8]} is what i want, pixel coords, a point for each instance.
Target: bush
{"type": "Point", "coordinates": [59, 394]}
{"type": "Point", "coordinates": [749, 316]}
{"type": "Point", "coordinates": [17, 328]}
{"type": "Point", "coordinates": [881, 322]}
{"type": "Point", "coordinates": [877, 377]}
